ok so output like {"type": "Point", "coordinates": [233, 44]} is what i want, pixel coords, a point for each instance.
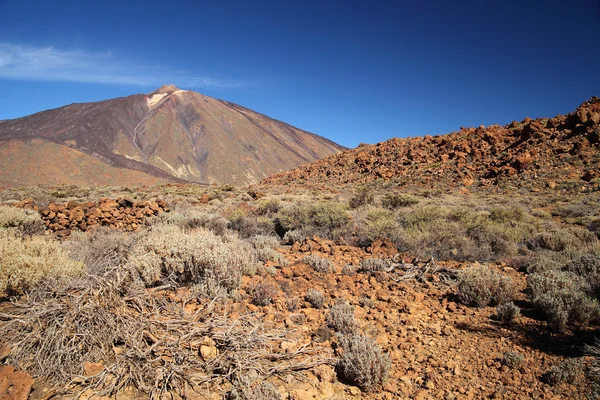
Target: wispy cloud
{"type": "Point", "coordinates": [19, 62]}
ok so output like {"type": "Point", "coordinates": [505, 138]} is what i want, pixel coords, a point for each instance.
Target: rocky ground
{"type": "Point", "coordinates": [440, 349]}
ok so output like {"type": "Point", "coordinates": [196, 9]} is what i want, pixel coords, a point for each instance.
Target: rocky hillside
{"type": "Point", "coordinates": [167, 135]}
{"type": "Point", "coordinates": [540, 152]}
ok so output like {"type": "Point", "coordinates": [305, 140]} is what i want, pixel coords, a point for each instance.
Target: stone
{"type": "Point", "coordinates": [14, 385]}
{"type": "Point", "coordinates": [91, 368]}
{"type": "Point", "coordinates": [208, 349]}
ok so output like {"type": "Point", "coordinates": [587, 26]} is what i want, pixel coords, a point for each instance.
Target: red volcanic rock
{"type": "Point", "coordinates": [123, 214]}
{"type": "Point", "coordinates": [555, 150]}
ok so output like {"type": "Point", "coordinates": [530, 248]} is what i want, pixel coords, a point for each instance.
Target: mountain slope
{"type": "Point", "coordinates": [535, 153]}
{"type": "Point", "coordinates": [168, 135]}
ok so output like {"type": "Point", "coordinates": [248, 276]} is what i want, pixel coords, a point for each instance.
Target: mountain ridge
{"type": "Point", "coordinates": [172, 135]}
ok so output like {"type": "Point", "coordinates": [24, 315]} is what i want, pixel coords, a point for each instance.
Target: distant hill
{"type": "Point", "coordinates": [535, 153]}
{"type": "Point", "coordinates": [169, 135]}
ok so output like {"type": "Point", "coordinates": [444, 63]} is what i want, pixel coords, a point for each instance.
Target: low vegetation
{"type": "Point", "coordinates": [86, 294]}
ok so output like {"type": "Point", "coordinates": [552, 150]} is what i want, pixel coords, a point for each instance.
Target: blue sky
{"type": "Point", "coordinates": [352, 71]}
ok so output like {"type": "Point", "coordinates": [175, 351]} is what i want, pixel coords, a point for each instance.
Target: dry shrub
{"type": "Point", "coordinates": [27, 222]}
{"type": "Point", "coordinates": [291, 237]}
{"type": "Point", "coordinates": [324, 219]}
{"type": "Point", "coordinates": [264, 246]}
{"type": "Point", "coordinates": [370, 223]}
{"type": "Point", "coordinates": [26, 261]}
{"type": "Point", "coordinates": [363, 363]}
{"type": "Point", "coordinates": [507, 312]}
{"type": "Point", "coordinates": [260, 391]}
{"type": "Point", "coordinates": [349, 270]}
{"type": "Point", "coordinates": [392, 201]}
{"type": "Point", "coordinates": [564, 298]}
{"type": "Point", "coordinates": [248, 225]}
{"type": "Point", "coordinates": [263, 292]}
{"type": "Point", "coordinates": [568, 371]}
{"type": "Point", "coordinates": [168, 254]}
{"type": "Point", "coordinates": [482, 286]}
{"type": "Point", "coordinates": [341, 317]}
{"type": "Point", "coordinates": [512, 359]}
{"type": "Point", "coordinates": [319, 264]}
{"type": "Point", "coordinates": [263, 242]}
{"type": "Point", "coordinates": [362, 196]}
{"type": "Point", "coordinates": [373, 264]}
{"type": "Point", "coordinates": [594, 370]}
{"type": "Point", "coordinates": [145, 341]}
{"type": "Point", "coordinates": [101, 250]}
{"type": "Point", "coordinates": [315, 297]}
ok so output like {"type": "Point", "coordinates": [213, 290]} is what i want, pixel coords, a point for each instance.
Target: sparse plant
{"type": "Point", "coordinates": [26, 261]}
{"type": "Point", "coordinates": [362, 196]}
{"type": "Point", "coordinates": [373, 264]}
{"type": "Point", "coordinates": [349, 269]}
{"type": "Point", "coordinates": [263, 292]}
{"type": "Point", "coordinates": [291, 237]}
{"type": "Point", "coordinates": [101, 250]}
{"type": "Point", "coordinates": [513, 359]}
{"type": "Point", "coordinates": [321, 265]}
{"type": "Point", "coordinates": [27, 222]}
{"type": "Point", "coordinates": [482, 286]}
{"type": "Point", "coordinates": [189, 257]}
{"type": "Point", "coordinates": [292, 303]}
{"type": "Point", "coordinates": [568, 371]}
{"type": "Point", "coordinates": [563, 298]}
{"type": "Point", "coordinates": [363, 363]}
{"type": "Point", "coordinates": [260, 391]}
{"type": "Point", "coordinates": [392, 201]}
{"type": "Point", "coordinates": [341, 317]}
{"type": "Point", "coordinates": [324, 219]}
{"type": "Point", "coordinates": [315, 297]}
{"type": "Point", "coordinates": [507, 312]}
{"type": "Point", "coordinates": [366, 302]}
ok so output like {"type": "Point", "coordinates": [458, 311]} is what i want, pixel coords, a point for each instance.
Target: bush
{"type": "Point", "coordinates": [263, 242]}
{"type": "Point", "coordinates": [292, 237]}
{"type": "Point", "coordinates": [249, 226]}
{"type": "Point", "coordinates": [261, 391]}
{"type": "Point", "coordinates": [566, 372]}
{"type": "Point", "coordinates": [362, 197]}
{"type": "Point", "coordinates": [101, 250]}
{"type": "Point", "coordinates": [321, 265]}
{"type": "Point", "coordinates": [563, 298]}
{"type": "Point", "coordinates": [190, 257]}
{"type": "Point", "coordinates": [315, 298]}
{"type": "Point", "coordinates": [392, 201]}
{"type": "Point", "coordinates": [363, 363]}
{"type": "Point", "coordinates": [370, 265]}
{"type": "Point", "coordinates": [26, 261]}
{"type": "Point", "coordinates": [512, 359]}
{"type": "Point", "coordinates": [483, 286]}
{"type": "Point", "coordinates": [28, 222]}
{"type": "Point", "coordinates": [507, 312]}
{"type": "Point", "coordinates": [292, 303]}
{"type": "Point", "coordinates": [341, 317]}
{"type": "Point", "coordinates": [371, 223]}
{"type": "Point", "coordinates": [349, 270]}
{"type": "Point", "coordinates": [324, 219]}
{"type": "Point", "coordinates": [262, 293]}
{"type": "Point", "coordinates": [586, 266]}
{"type": "Point", "coordinates": [507, 214]}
